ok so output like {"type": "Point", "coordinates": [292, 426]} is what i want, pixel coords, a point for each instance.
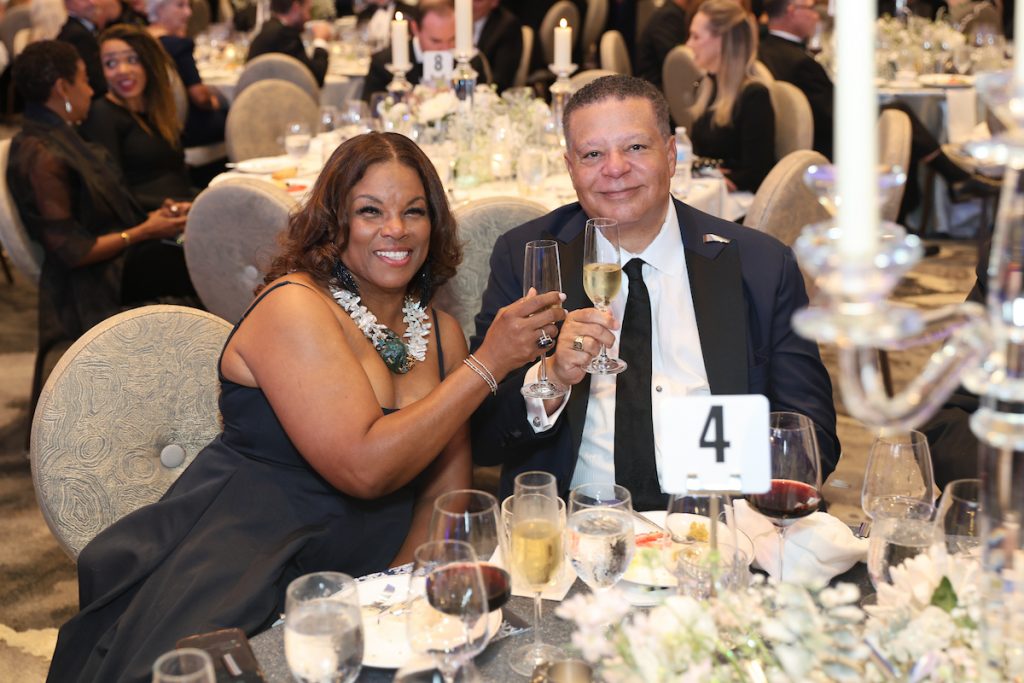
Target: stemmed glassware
{"type": "Point", "coordinates": [542, 273]}
{"type": "Point", "coordinates": [959, 516]}
{"type": "Point", "coordinates": [184, 665]}
{"type": "Point", "coordinates": [796, 475]}
{"type": "Point", "coordinates": [600, 533]}
{"type": "Point", "coordinates": [535, 557]}
{"type": "Point", "coordinates": [447, 616]}
{"type": "Point", "coordinates": [899, 469]}
{"type": "Point", "coordinates": [323, 628]}
{"type": "Point", "coordinates": [900, 533]}
{"type": "Point", "coordinates": [701, 550]}
{"type": "Point", "coordinates": [297, 138]}
{"type": "Point", "coordinates": [602, 279]}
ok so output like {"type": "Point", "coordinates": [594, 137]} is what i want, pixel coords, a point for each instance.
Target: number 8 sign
{"type": "Point", "coordinates": [714, 443]}
{"type": "Point", "coordinates": [437, 66]}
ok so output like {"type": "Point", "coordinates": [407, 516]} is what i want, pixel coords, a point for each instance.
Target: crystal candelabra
{"type": "Point", "coordinates": [399, 88]}
{"type": "Point", "coordinates": [464, 79]}
{"type": "Point", "coordinates": [980, 347]}
{"type": "Point", "coordinates": [560, 92]}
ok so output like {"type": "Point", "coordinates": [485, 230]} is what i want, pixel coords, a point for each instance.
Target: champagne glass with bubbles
{"type": "Point", "coordinates": [602, 279]}
{"type": "Point", "coordinates": [600, 533]}
{"type": "Point", "coordinates": [542, 273]}
{"type": "Point", "coordinates": [323, 628]}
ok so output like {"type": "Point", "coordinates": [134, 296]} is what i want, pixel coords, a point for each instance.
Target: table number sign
{"type": "Point", "coordinates": [714, 443]}
{"type": "Point", "coordinates": [438, 66]}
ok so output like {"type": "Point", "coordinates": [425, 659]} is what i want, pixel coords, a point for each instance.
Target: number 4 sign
{"type": "Point", "coordinates": [714, 443]}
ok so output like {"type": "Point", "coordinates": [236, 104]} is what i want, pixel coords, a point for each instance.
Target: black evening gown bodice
{"type": "Point", "coordinates": [247, 517]}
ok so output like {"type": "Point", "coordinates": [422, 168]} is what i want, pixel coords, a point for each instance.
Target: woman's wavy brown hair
{"type": "Point", "coordinates": [318, 233]}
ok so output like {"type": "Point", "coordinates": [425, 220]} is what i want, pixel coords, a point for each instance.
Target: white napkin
{"type": "Point", "coordinates": [961, 113]}
{"type": "Point", "coordinates": [818, 547]}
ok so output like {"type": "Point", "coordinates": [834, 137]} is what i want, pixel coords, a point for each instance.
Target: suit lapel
{"type": "Point", "coordinates": [716, 286]}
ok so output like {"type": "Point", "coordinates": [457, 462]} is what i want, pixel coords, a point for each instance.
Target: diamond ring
{"type": "Point", "coordinates": [577, 343]}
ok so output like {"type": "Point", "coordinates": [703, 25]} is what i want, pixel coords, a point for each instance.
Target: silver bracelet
{"type": "Point", "coordinates": [474, 364]}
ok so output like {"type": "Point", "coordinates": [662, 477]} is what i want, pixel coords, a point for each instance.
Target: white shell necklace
{"type": "Point", "coordinates": [399, 356]}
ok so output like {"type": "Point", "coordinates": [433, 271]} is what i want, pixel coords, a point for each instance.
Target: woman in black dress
{"type": "Point", "coordinates": [733, 120]}
{"type": "Point", "coordinates": [101, 250]}
{"type": "Point", "coordinates": [136, 120]}
{"type": "Point", "coordinates": [345, 399]}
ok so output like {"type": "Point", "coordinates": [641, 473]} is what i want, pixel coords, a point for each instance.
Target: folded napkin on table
{"type": "Point", "coordinates": [556, 592]}
{"type": "Point", "coordinates": [818, 547]}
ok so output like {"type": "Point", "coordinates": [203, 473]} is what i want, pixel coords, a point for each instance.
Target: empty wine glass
{"type": "Point", "coordinates": [474, 517]}
{"type": "Point", "coordinates": [447, 616]}
{"type": "Point", "coordinates": [535, 481]}
{"type": "Point", "coordinates": [329, 118]}
{"type": "Point", "coordinates": [701, 554]}
{"type": "Point", "coordinates": [600, 533]}
{"type": "Point", "coordinates": [899, 533]}
{"type": "Point", "coordinates": [796, 475]}
{"type": "Point", "coordinates": [186, 665]}
{"type": "Point", "coordinates": [899, 468]}
{"type": "Point", "coordinates": [535, 557]}
{"type": "Point", "coordinates": [297, 138]}
{"type": "Point", "coordinates": [542, 273]}
{"type": "Point", "coordinates": [602, 279]}
{"type": "Point", "coordinates": [323, 628]}
{"type": "Point", "coordinates": [959, 516]}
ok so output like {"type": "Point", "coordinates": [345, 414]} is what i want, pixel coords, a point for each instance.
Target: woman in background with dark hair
{"type": "Point", "coordinates": [345, 398]}
{"type": "Point", "coordinates": [136, 120]}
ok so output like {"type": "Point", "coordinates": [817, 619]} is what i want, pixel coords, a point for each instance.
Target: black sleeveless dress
{"type": "Point", "coordinates": [219, 549]}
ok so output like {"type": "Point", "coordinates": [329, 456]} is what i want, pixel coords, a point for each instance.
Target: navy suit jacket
{"type": "Point", "coordinates": [744, 295]}
{"type": "Point", "coordinates": [84, 41]}
{"type": "Point", "coordinates": [276, 37]}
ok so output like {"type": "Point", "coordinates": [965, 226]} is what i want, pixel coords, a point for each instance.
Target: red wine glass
{"type": "Point", "coordinates": [796, 475]}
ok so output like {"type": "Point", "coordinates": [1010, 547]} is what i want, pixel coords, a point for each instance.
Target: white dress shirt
{"type": "Point", "coordinates": [676, 361]}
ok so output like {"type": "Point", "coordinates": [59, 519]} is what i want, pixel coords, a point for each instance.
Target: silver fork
{"type": "Point", "coordinates": [383, 602]}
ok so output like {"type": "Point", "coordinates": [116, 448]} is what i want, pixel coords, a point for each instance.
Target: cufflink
{"type": "Point", "coordinates": [536, 422]}
{"type": "Point", "coordinates": [712, 237]}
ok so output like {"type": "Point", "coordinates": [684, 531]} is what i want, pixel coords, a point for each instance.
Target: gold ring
{"type": "Point", "coordinates": [577, 343]}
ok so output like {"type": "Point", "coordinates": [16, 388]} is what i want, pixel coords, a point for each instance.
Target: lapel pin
{"type": "Point", "coordinates": [712, 237]}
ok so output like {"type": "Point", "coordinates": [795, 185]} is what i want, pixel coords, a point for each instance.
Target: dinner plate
{"type": "Point", "coordinates": [385, 644]}
{"type": "Point", "coordinates": [264, 164]}
{"type": "Point", "coordinates": [945, 80]}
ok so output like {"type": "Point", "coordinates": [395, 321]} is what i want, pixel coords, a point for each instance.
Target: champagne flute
{"type": "Point", "coordinates": [473, 517]}
{"type": "Point", "coordinates": [535, 481]}
{"type": "Point", "coordinates": [602, 279]}
{"type": "Point", "coordinates": [447, 616]}
{"type": "Point", "coordinates": [185, 665]}
{"type": "Point", "coordinates": [600, 533]}
{"type": "Point", "coordinates": [899, 469]}
{"type": "Point", "coordinates": [323, 628]}
{"type": "Point", "coordinates": [541, 272]}
{"type": "Point", "coordinates": [796, 475]}
{"type": "Point", "coordinates": [959, 516]}
{"type": "Point", "coordinates": [535, 559]}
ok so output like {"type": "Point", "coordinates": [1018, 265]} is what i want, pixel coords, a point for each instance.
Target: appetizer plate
{"type": "Point", "coordinates": [265, 165]}
{"type": "Point", "coordinates": [946, 80]}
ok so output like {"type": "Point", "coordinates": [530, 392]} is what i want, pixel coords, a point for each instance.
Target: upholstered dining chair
{"type": "Point", "coordinates": [15, 19]}
{"type": "Point", "coordinates": [232, 234]}
{"type": "Point", "coordinates": [581, 78]}
{"type": "Point", "coordinates": [794, 124]}
{"type": "Point", "coordinates": [523, 70]}
{"type": "Point", "coordinates": [563, 9]}
{"type": "Point", "coordinates": [258, 116]}
{"type": "Point", "coordinates": [894, 135]}
{"type": "Point", "coordinates": [21, 40]}
{"type": "Point", "coordinates": [594, 19]}
{"type": "Point", "coordinates": [681, 80]}
{"type": "Point", "coordinates": [762, 72]}
{"type": "Point", "coordinates": [614, 54]}
{"type": "Point", "coordinates": [180, 95]}
{"type": "Point", "coordinates": [281, 66]}
{"type": "Point", "coordinates": [124, 412]}
{"type": "Point", "coordinates": [480, 223]}
{"type": "Point", "coordinates": [783, 204]}
{"type": "Point", "coordinates": [25, 254]}
{"type": "Point", "coordinates": [200, 19]}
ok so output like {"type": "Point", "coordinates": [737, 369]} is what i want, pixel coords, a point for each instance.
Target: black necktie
{"type": "Point", "coordinates": [635, 467]}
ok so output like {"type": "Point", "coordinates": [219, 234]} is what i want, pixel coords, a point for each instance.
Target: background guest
{"type": "Point", "coordinates": [48, 17]}
{"type": "Point", "coordinates": [206, 113]}
{"type": "Point", "coordinates": [667, 27]}
{"type": "Point", "coordinates": [375, 19]}
{"type": "Point", "coordinates": [80, 31]}
{"type": "Point", "coordinates": [499, 36]}
{"type": "Point", "coordinates": [282, 32]}
{"type": "Point", "coordinates": [733, 119]}
{"type": "Point", "coordinates": [136, 121]}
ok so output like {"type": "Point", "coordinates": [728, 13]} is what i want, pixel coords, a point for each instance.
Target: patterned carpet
{"type": "Point", "coordinates": [39, 587]}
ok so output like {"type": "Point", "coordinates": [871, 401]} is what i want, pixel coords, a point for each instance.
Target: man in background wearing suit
{"type": "Point", "coordinates": [80, 31]}
{"type": "Point", "coordinates": [499, 36]}
{"type": "Point", "coordinates": [282, 32]}
{"type": "Point", "coordinates": [705, 307]}
{"type": "Point", "coordinates": [668, 27]}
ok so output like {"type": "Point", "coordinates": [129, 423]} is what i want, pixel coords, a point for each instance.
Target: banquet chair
{"type": "Point", "coordinates": [563, 9]}
{"type": "Point", "coordinates": [21, 40]}
{"type": "Point", "coordinates": [480, 223]}
{"type": "Point", "coordinates": [581, 78]}
{"type": "Point", "coordinates": [232, 231]}
{"type": "Point", "coordinates": [180, 94]}
{"type": "Point", "coordinates": [280, 66]}
{"type": "Point", "coordinates": [783, 204]}
{"type": "Point", "coordinates": [794, 124]}
{"type": "Point", "coordinates": [894, 135]}
{"type": "Point", "coordinates": [24, 252]}
{"type": "Point", "coordinates": [681, 79]}
{"type": "Point", "coordinates": [258, 116]}
{"type": "Point", "coordinates": [594, 20]}
{"type": "Point", "coordinates": [762, 72]}
{"type": "Point", "coordinates": [523, 70]}
{"type": "Point", "coordinates": [614, 54]}
{"type": "Point", "coordinates": [200, 19]}
{"type": "Point", "coordinates": [15, 19]}
{"type": "Point", "coordinates": [124, 412]}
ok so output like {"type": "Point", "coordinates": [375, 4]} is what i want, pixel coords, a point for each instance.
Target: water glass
{"type": "Point", "coordinates": [900, 534]}
{"type": "Point", "coordinates": [531, 169]}
{"type": "Point", "coordinates": [701, 550]}
{"type": "Point", "coordinates": [297, 138]}
{"type": "Point", "coordinates": [600, 533]}
{"type": "Point", "coordinates": [329, 118]}
{"type": "Point", "coordinates": [959, 516]}
{"type": "Point", "coordinates": [899, 467]}
{"type": "Point", "coordinates": [323, 628]}
{"type": "Point", "coordinates": [187, 665]}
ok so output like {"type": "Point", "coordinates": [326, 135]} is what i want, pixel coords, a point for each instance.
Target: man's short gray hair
{"type": "Point", "coordinates": [619, 87]}
{"type": "Point", "coordinates": [153, 6]}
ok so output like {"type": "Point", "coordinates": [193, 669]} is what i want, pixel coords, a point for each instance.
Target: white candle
{"type": "Point", "coordinates": [1018, 42]}
{"type": "Point", "coordinates": [856, 106]}
{"type": "Point", "coordinates": [463, 26]}
{"type": "Point", "coordinates": [400, 42]}
{"type": "Point", "coordinates": [563, 44]}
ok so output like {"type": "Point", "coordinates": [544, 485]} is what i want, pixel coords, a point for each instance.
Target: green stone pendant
{"type": "Point", "coordinates": [393, 352]}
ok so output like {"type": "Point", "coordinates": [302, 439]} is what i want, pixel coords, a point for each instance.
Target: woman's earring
{"type": "Point", "coordinates": [67, 105]}
{"type": "Point", "coordinates": [424, 282]}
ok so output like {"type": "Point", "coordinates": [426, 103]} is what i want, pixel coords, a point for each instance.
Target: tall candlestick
{"type": "Point", "coordinates": [563, 44]}
{"type": "Point", "coordinates": [856, 106]}
{"type": "Point", "coordinates": [1018, 42]}
{"type": "Point", "coordinates": [400, 42]}
{"type": "Point", "coordinates": [463, 26]}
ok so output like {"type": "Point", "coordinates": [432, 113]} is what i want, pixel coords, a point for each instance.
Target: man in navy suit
{"type": "Point", "coordinates": [721, 298]}
{"type": "Point", "coordinates": [499, 36]}
{"type": "Point", "coordinates": [282, 32]}
{"type": "Point", "coordinates": [84, 22]}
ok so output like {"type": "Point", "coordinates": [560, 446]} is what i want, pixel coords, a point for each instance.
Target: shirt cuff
{"type": "Point", "coordinates": [535, 412]}
{"type": "Point", "coordinates": [321, 43]}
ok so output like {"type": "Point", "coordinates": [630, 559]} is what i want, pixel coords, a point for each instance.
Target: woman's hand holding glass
{"type": "Point", "coordinates": [511, 340]}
